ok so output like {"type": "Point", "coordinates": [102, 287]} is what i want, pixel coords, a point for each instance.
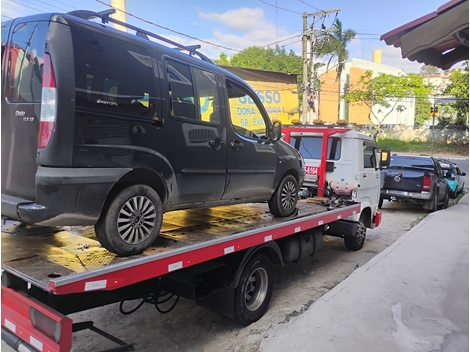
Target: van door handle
{"type": "Point", "coordinates": [217, 143]}
{"type": "Point", "coordinates": [364, 176]}
{"type": "Point", "coordinates": [236, 145]}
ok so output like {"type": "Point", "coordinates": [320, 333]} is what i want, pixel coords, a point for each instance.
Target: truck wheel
{"type": "Point", "coordinates": [445, 203]}
{"type": "Point", "coordinates": [355, 242]}
{"type": "Point", "coordinates": [453, 194]}
{"type": "Point", "coordinates": [434, 203]}
{"type": "Point", "coordinates": [284, 200]}
{"type": "Point", "coordinates": [131, 222]}
{"type": "Point", "coordinates": [381, 202]}
{"type": "Point", "coordinates": [254, 291]}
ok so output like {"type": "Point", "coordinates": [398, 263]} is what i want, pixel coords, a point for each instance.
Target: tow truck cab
{"type": "Point", "coordinates": [342, 161]}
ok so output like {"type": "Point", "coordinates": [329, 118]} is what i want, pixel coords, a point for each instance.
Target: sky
{"type": "Point", "coordinates": [230, 26]}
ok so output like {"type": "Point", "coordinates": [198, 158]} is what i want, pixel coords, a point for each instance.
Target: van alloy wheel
{"type": "Point", "coordinates": [130, 221]}
{"type": "Point", "coordinates": [289, 195]}
{"type": "Point", "coordinates": [284, 200]}
{"type": "Point", "coordinates": [136, 220]}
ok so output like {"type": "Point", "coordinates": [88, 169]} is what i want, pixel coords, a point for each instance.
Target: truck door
{"type": "Point", "coordinates": [251, 156]}
{"type": "Point", "coordinates": [369, 177]}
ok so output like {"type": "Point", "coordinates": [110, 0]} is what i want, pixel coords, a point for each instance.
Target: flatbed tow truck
{"type": "Point", "coordinates": [222, 258]}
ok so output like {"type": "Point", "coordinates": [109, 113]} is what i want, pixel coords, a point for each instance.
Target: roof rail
{"type": "Point", "coordinates": [139, 32]}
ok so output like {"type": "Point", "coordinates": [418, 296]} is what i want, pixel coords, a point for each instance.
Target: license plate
{"type": "Point", "coordinates": [312, 170]}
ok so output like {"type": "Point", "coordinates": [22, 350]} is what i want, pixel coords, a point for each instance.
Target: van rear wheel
{"type": "Point", "coordinates": [284, 200]}
{"type": "Point", "coordinates": [131, 222]}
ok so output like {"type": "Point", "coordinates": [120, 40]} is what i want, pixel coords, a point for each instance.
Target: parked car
{"type": "Point", "coordinates": [417, 179]}
{"type": "Point", "coordinates": [453, 176]}
{"type": "Point", "coordinates": [101, 127]}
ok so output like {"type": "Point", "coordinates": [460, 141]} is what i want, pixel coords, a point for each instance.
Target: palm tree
{"type": "Point", "coordinates": [334, 44]}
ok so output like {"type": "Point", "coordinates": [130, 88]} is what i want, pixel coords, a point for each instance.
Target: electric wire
{"type": "Point", "coordinates": [280, 8]}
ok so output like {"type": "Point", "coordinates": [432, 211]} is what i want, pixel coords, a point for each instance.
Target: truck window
{"type": "Point", "coordinates": [25, 60]}
{"type": "Point", "coordinates": [310, 147]}
{"type": "Point", "coordinates": [110, 85]}
{"type": "Point", "coordinates": [369, 154]}
{"type": "Point", "coordinates": [247, 121]}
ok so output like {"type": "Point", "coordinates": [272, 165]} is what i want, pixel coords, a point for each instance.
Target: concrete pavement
{"type": "Point", "coordinates": [414, 296]}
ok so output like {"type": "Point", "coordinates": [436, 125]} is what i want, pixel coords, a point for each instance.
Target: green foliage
{"type": "Point", "coordinates": [428, 70]}
{"type": "Point", "coordinates": [458, 87]}
{"type": "Point", "coordinates": [422, 147]}
{"type": "Point", "coordinates": [385, 91]}
{"type": "Point", "coordinates": [277, 59]}
{"type": "Point", "coordinates": [422, 107]}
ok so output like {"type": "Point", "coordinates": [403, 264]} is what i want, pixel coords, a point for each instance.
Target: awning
{"type": "Point", "coordinates": [439, 38]}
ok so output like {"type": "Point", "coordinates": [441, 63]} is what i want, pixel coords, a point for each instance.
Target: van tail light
{"type": "Point", "coordinates": [48, 103]}
{"type": "Point", "coordinates": [452, 178]}
{"type": "Point", "coordinates": [426, 183]}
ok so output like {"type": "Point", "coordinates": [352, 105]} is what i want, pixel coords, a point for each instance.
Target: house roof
{"type": "Point", "coordinates": [439, 38]}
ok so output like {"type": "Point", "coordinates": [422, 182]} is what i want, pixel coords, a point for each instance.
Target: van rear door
{"type": "Point", "coordinates": [23, 46]}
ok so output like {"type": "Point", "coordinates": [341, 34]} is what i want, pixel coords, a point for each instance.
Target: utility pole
{"type": "Point", "coordinates": [309, 95]}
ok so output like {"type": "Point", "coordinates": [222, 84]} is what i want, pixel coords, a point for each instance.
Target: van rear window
{"type": "Point", "coordinates": [112, 76]}
{"type": "Point", "coordinates": [25, 62]}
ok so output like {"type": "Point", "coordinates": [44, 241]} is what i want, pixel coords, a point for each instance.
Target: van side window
{"type": "Point", "coordinates": [247, 121]}
{"type": "Point", "coordinates": [25, 61]}
{"type": "Point", "coordinates": [310, 147]}
{"type": "Point", "coordinates": [109, 85]}
{"type": "Point", "coordinates": [206, 91]}
{"type": "Point", "coordinates": [181, 90]}
{"type": "Point", "coordinates": [369, 154]}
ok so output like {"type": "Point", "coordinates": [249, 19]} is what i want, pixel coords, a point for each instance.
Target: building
{"type": "Point", "coordinates": [359, 113]}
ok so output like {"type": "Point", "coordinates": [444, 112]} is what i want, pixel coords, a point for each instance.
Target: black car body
{"type": "Point", "coordinates": [89, 112]}
{"type": "Point", "coordinates": [415, 178]}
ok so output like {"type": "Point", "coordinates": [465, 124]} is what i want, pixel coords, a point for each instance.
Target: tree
{"type": "Point", "coordinates": [385, 92]}
{"type": "Point", "coordinates": [335, 44]}
{"type": "Point", "coordinates": [428, 70]}
{"type": "Point", "coordinates": [277, 59]}
{"type": "Point", "coordinates": [458, 87]}
{"type": "Point", "coordinates": [422, 106]}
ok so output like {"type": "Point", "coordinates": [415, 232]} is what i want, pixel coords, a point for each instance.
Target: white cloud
{"type": "Point", "coordinates": [391, 56]}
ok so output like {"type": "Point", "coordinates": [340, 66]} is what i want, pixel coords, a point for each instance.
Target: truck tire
{"type": "Point", "coordinates": [445, 203]}
{"type": "Point", "coordinates": [284, 200]}
{"type": "Point", "coordinates": [254, 290]}
{"type": "Point", "coordinates": [434, 203]}
{"type": "Point", "coordinates": [356, 242]}
{"type": "Point", "coordinates": [453, 194]}
{"type": "Point", "coordinates": [130, 223]}
{"type": "Point", "coordinates": [381, 203]}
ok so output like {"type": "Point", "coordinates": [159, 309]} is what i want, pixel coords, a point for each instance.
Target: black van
{"type": "Point", "coordinates": [106, 128]}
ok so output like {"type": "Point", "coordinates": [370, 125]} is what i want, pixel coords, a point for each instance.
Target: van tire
{"type": "Point", "coordinates": [284, 200]}
{"type": "Point", "coordinates": [139, 210]}
{"type": "Point", "coordinates": [381, 203]}
{"type": "Point", "coordinates": [254, 291]}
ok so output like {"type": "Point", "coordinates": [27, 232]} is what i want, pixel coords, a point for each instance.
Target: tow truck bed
{"type": "Point", "coordinates": [72, 261]}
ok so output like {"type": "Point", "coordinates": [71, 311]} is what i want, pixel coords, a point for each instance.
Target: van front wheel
{"type": "Point", "coordinates": [284, 200]}
{"type": "Point", "coordinates": [131, 222]}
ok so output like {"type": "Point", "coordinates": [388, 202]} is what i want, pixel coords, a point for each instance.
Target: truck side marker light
{"type": "Point", "coordinates": [35, 343]}
{"type": "Point", "coordinates": [228, 250]}
{"type": "Point", "coordinates": [175, 266]}
{"type": "Point", "coordinates": [297, 229]}
{"type": "Point", "coordinates": [320, 222]}
{"type": "Point", "coordinates": [10, 326]}
{"type": "Point", "coordinates": [338, 217]}
{"type": "Point", "coordinates": [95, 285]}
{"type": "Point", "coordinates": [268, 238]}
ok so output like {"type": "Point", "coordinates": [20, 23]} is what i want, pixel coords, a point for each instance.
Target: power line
{"type": "Point", "coordinates": [7, 17]}
{"type": "Point", "coordinates": [313, 7]}
{"type": "Point", "coordinates": [63, 3]}
{"type": "Point", "coordinates": [169, 29]}
{"type": "Point", "coordinates": [280, 8]}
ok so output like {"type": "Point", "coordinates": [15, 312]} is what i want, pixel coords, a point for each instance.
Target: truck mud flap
{"type": "Point", "coordinates": [342, 228]}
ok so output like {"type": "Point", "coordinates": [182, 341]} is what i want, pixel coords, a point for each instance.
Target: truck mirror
{"type": "Point", "coordinates": [384, 158]}
{"type": "Point", "coordinates": [277, 131]}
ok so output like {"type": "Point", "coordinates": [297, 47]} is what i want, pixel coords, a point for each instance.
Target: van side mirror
{"type": "Point", "coordinates": [276, 131]}
{"type": "Point", "coordinates": [384, 158]}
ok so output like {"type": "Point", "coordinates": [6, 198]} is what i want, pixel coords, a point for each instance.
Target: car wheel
{"type": "Point", "coordinates": [434, 203]}
{"type": "Point", "coordinates": [356, 242]}
{"type": "Point", "coordinates": [452, 194]}
{"type": "Point", "coordinates": [254, 290]}
{"type": "Point", "coordinates": [381, 203]}
{"type": "Point", "coordinates": [131, 221]}
{"type": "Point", "coordinates": [284, 200]}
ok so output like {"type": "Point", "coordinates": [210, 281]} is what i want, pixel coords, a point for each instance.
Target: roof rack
{"type": "Point", "coordinates": [105, 17]}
